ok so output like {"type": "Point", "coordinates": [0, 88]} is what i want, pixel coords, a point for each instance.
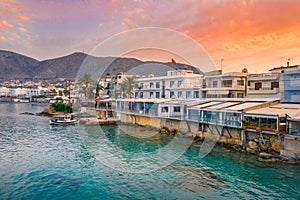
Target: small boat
{"type": "Point", "coordinates": [67, 120]}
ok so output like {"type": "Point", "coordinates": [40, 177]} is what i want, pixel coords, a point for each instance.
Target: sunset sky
{"type": "Point", "coordinates": [256, 34]}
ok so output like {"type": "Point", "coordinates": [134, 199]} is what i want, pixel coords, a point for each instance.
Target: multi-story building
{"type": "Point", "coordinates": [292, 86]}
{"type": "Point", "coordinates": [181, 84]}
{"type": "Point", "coordinates": [265, 85]}
{"type": "Point", "coordinates": [229, 85]}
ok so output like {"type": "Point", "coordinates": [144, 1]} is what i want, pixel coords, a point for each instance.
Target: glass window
{"type": "Point", "coordinates": [215, 84]}
{"type": "Point", "coordinates": [172, 94]}
{"type": "Point", "coordinates": [227, 83]}
{"type": "Point", "coordinates": [179, 83]}
{"type": "Point", "coordinates": [171, 83]}
{"type": "Point", "coordinates": [165, 109]}
{"type": "Point", "coordinates": [240, 95]}
{"type": "Point", "coordinates": [258, 86]}
{"type": "Point", "coordinates": [196, 94]}
{"type": "Point", "coordinates": [151, 84]}
{"type": "Point", "coordinates": [179, 94]}
{"type": "Point", "coordinates": [176, 109]}
{"type": "Point", "coordinates": [188, 94]}
{"type": "Point", "coordinates": [240, 82]}
{"type": "Point", "coordinates": [151, 94]}
{"type": "Point", "coordinates": [142, 95]}
{"type": "Point", "coordinates": [157, 94]}
{"type": "Point", "coordinates": [274, 85]}
{"type": "Point", "coordinates": [157, 84]}
{"type": "Point", "coordinates": [141, 85]}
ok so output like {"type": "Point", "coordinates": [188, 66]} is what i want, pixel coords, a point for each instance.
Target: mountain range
{"type": "Point", "coordinates": [17, 66]}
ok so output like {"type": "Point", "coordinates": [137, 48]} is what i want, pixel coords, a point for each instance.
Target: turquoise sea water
{"type": "Point", "coordinates": [38, 161]}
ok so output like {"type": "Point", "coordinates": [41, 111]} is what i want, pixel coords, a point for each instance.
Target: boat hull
{"type": "Point", "coordinates": [63, 122]}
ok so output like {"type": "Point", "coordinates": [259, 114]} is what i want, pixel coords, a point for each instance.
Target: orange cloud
{"type": "Point", "coordinates": [5, 24]}
{"type": "Point", "coordinates": [22, 17]}
{"type": "Point", "coordinates": [23, 29]}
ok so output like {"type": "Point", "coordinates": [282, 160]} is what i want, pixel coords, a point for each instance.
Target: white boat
{"type": "Point", "coordinates": [67, 120]}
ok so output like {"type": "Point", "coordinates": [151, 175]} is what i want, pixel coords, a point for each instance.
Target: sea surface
{"type": "Point", "coordinates": [39, 161]}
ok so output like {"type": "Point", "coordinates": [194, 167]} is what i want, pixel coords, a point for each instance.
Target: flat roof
{"type": "Point", "coordinates": [275, 111]}
{"type": "Point", "coordinates": [243, 106]}
{"type": "Point", "coordinates": [204, 105]}
{"type": "Point", "coordinates": [222, 105]}
{"type": "Point", "coordinates": [148, 100]}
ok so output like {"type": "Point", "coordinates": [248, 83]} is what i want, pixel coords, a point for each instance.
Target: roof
{"type": "Point", "coordinates": [273, 111]}
{"type": "Point", "coordinates": [243, 106]}
{"type": "Point", "coordinates": [204, 105]}
{"type": "Point", "coordinates": [222, 105]}
{"type": "Point", "coordinates": [149, 100]}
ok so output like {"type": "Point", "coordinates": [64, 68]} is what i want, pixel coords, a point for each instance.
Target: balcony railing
{"type": "Point", "coordinates": [264, 90]}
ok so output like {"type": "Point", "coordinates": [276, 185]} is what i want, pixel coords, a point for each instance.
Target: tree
{"type": "Point", "coordinates": [127, 87]}
{"type": "Point", "coordinates": [98, 88]}
{"type": "Point", "coordinates": [85, 82]}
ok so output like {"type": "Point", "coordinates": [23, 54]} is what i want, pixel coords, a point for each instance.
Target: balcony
{"type": "Point", "coordinates": [264, 90]}
{"type": "Point", "coordinates": [263, 77]}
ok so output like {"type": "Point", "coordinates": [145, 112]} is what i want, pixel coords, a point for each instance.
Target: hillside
{"type": "Point", "coordinates": [17, 66]}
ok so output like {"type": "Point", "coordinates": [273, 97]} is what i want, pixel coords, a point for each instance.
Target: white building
{"type": "Point", "coordinates": [181, 84]}
{"type": "Point", "coordinates": [266, 85]}
{"type": "Point", "coordinates": [229, 85]}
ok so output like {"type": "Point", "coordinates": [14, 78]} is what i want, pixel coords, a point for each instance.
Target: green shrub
{"type": "Point", "coordinates": [60, 107]}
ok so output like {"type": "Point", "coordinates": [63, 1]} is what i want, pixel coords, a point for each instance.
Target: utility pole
{"type": "Point", "coordinates": [221, 66]}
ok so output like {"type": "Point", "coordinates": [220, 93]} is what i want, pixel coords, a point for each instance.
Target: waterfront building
{"type": "Point", "coordinates": [292, 86]}
{"type": "Point", "coordinates": [225, 112]}
{"type": "Point", "coordinates": [265, 85]}
{"type": "Point", "coordinates": [180, 84]}
{"type": "Point", "coordinates": [229, 85]}
{"type": "Point", "coordinates": [271, 119]}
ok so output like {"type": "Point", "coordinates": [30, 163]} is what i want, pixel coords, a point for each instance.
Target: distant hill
{"type": "Point", "coordinates": [17, 66]}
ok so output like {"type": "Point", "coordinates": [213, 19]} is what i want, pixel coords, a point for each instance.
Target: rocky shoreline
{"type": "Point", "coordinates": [263, 151]}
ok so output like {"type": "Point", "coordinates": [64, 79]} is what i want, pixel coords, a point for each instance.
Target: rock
{"type": "Point", "coordinates": [248, 150]}
{"type": "Point", "coordinates": [26, 113]}
{"type": "Point", "coordinates": [264, 147]}
{"type": "Point", "coordinates": [265, 155]}
{"type": "Point", "coordinates": [275, 144]}
{"type": "Point", "coordinates": [252, 145]}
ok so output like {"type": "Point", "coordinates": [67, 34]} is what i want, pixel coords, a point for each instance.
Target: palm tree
{"type": "Point", "coordinates": [85, 82]}
{"type": "Point", "coordinates": [98, 88]}
{"type": "Point", "coordinates": [127, 87]}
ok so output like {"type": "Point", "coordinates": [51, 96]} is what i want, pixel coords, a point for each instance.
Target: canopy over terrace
{"type": "Point", "coordinates": [272, 118]}
{"type": "Point", "coordinates": [140, 106]}
{"type": "Point", "coordinates": [224, 113]}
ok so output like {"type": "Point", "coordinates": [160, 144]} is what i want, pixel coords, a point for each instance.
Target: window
{"type": "Point", "coordinates": [240, 95]}
{"type": "Point", "coordinates": [151, 84]}
{"type": "Point", "coordinates": [179, 94]}
{"type": "Point", "coordinates": [171, 83]}
{"type": "Point", "coordinates": [258, 86]}
{"type": "Point", "coordinates": [136, 94]}
{"type": "Point", "coordinates": [179, 83]}
{"type": "Point", "coordinates": [157, 84]}
{"type": "Point", "coordinates": [196, 94]}
{"type": "Point", "coordinates": [274, 85]}
{"type": "Point", "coordinates": [176, 109]}
{"type": "Point", "coordinates": [227, 83]}
{"type": "Point", "coordinates": [249, 83]}
{"type": "Point", "coordinates": [157, 94]}
{"type": "Point", "coordinates": [240, 82]}
{"type": "Point", "coordinates": [141, 85]}
{"type": "Point", "coordinates": [142, 95]}
{"type": "Point", "coordinates": [151, 94]}
{"type": "Point", "coordinates": [165, 109]}
{"type": "Point", "coordinates": [188, 94]}
{"type": "Point", "coordinates": [172, 94]}
{"type": "Point", "coordinates": [215, 84]}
